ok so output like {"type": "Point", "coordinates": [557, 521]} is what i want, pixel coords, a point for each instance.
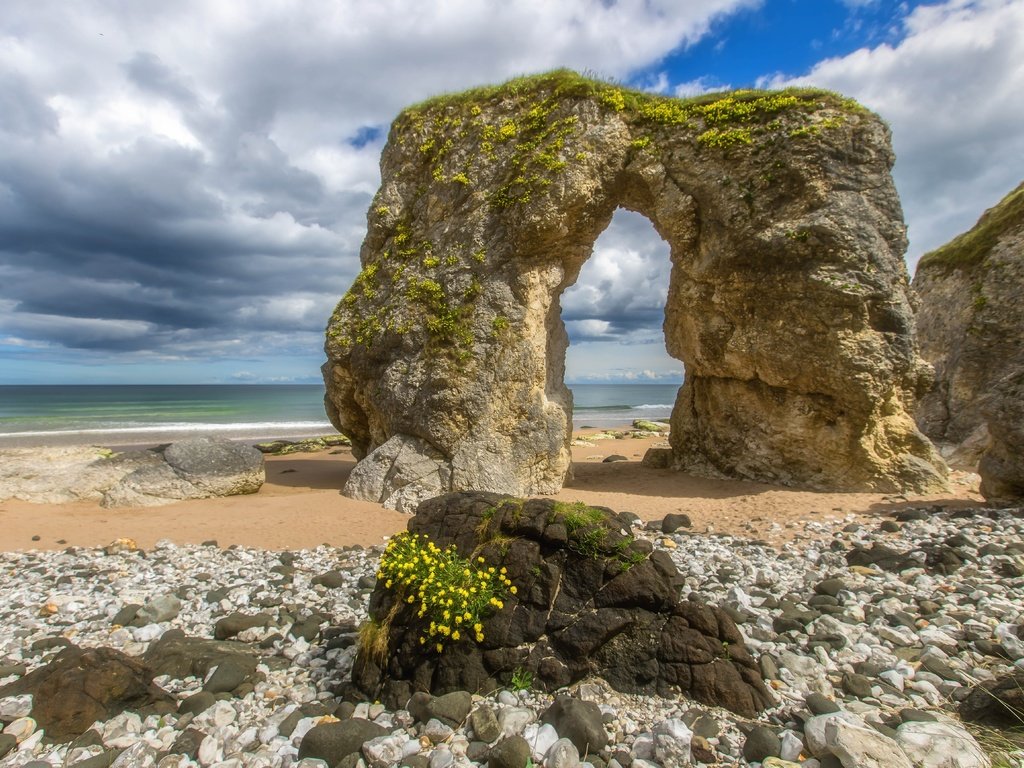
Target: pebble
{"type": "Point", "coordinates": [879, 646]}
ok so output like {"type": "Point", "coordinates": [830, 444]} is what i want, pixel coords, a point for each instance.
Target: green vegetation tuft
{"type": "Point", "coordinates": [972, 247]}
{"type": "Point", "coordinates": [589, 530]}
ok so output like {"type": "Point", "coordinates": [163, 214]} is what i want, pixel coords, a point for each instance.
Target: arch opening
{"type": "Point", "coordinates": [617, 365]}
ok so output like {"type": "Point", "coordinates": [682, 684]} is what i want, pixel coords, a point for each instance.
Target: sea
{"type": "Point", "coordinates": [145, 414]}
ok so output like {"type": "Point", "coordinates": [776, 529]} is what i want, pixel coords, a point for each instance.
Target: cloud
{"type": "Point", "coordinates": [621, 290]}
{"type": "Point", "coordinates": [189, 180]}
{"type": "Point", "coordinates": [951, 91]}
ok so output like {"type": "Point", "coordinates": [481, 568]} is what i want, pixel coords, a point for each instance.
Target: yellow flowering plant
{"type": "Point", "coordinates": [452, 593]}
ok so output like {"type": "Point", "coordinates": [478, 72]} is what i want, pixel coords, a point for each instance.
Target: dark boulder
{"type": "Point", "coordinates": [997, 703]}
{"type": "Point", "coordinates": [590, 601]}
{"type": "Point", "coordinates": [83, 685]}
{"type": "Point", "coordinates": [578, 721]}
{"type": "Point", "coordinates": [179, 656]}
{"type": "Point", "coordinates": [331, 742]}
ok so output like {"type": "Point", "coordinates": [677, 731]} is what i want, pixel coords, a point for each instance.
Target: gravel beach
{"type": "Point", "coordinates": [887, 623]}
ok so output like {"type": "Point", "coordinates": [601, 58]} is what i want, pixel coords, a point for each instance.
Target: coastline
{"type": "Point", "coordinates": [300, 506]}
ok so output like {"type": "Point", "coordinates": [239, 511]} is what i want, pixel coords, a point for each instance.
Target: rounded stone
{"type": "Point", "coordinates": [761, 742]}
{"type": "Point", "coordinates": [511, 752]}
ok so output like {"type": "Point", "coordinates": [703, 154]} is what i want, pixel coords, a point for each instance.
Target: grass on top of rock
{"type": "Point", "coordinates": [589, 532]}
{"type": "Point", "coordinates": [716, 108]}
{"type": "Point", "coordinates": [972, 247]}
{"type": "Point", "coordinates": [453, 593]}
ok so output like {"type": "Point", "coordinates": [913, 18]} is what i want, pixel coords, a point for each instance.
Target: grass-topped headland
{"type": "Point", "coordinates": [564, 84]}
{"type": "Point", "coordinates": [972, 247]}
{"type": "Point", "coordinates": [507, 146]}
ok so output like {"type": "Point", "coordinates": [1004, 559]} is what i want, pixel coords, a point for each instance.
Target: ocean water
{"type": "Point", "coordinates": [612, 405]}
{"type": "Point", "coordinates": [120, 415]}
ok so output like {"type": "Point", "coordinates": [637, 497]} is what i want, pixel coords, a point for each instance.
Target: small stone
{"type": "Point", "coordinates": [562, 754]}
{"type": "Point", "coordinates": [858, 746]}
{"type": "Point", "coordinates": [232, 624]}
{"type": "Point", "coordinates": [674, 521]}
{"type": "Point", "coordinates": [485, 724]}
{"type": "Point", "coordinates": [940, 744]}
{"type": "Point", "coordinates": [820, 705]}
{"type": "Point", "coordinates": [513, 720]}
{"type": "Point", "coordinates": [452, 708]}
{"type": "Point", "coordinates": [831, 587]}
{"type": "Point", "coordinates": [437, 731]}
{"type": "Point", "coordinates": [7, 743]}
{"type": "Point", "coordinates": [672, 742]}
{"type": "Point", "coordinates": [761, 742]}
{"type": "Point", "coordinates": [21, 728]}
{"type": "Point", "coordinates": [126, 615]}
{"type": "Point", "coordinates": [197, 703]}
{"type": "Point", "coordinates": [578, 721]}
{"type": "Point", "coordinates": [157, 610]}
{"type": "Point", "coordinates": [13, 707]}
{"type": "Point", "coordinates": [227, 676]}
{"type": "Point", "coordinates": [702, 751]}
{"type": "Point", "coordinates": [540, 737]}
{"type": "Point", "coordinates": [384, 751]}
{"type": "Point", "coordinates": [511, 752]}
{"type": "Point", "coordinates": [856, 685]}
{"type": "Point", "coordinates": [333, 741]}
{"type": "Point", "coordinates": [330, 579]}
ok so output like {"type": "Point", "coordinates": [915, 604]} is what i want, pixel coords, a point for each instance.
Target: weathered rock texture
{"type": "Point", "coordinates": [1002, 464]}
{"type": "Point", "coordinates": [971, 326]}
{"type": "Point", "coordinates": [196, 468]}
{"type": "Point", "coordinates": [81, 686]}
{"type": "Point", "coordinates": [788, 301]}
{"type": "Point", "coordinates": [590, 601]}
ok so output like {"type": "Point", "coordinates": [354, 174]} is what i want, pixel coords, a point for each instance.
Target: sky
{"type": "Point", "coordinates": [184, 186]}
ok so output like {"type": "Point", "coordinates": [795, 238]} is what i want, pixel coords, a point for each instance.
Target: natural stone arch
{"type": "Point", "coordinates": [788, 300]}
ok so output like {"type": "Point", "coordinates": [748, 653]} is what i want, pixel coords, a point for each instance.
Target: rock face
{"type": "Point", "coordinates": [788, 301]}
{"type": "Point", "coordinates": [589, 600]}
{"type": "Point", "coordinates": [971, 328]}
{"type": "Point", "coordinates": [196, 468]}
{"type": "Point", "coordinates": [1002, 464]}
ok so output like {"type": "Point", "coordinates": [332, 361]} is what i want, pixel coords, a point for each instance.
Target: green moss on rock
{"type": "Point", "coordinates": [972, 247]}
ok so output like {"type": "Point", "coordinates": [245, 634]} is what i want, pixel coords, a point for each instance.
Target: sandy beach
{"type": "Point", "coordinates": [300, 506]}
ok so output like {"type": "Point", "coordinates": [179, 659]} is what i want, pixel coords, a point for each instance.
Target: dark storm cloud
{"type": "Point", "coordinates": [192, 179]}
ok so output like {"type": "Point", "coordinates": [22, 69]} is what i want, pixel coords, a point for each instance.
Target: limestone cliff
{"type": "Point", "coordinates": [788, 298]}
{"type": "Point", "coordinates": [971, 325]}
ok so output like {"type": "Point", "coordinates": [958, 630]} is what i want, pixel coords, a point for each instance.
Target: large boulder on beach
{"type": "Point", "coordinates": [196, 468]}
{"type": "Point", "coordinates": [583, 598]}
{"type": "Point", "coordinates": [83, 685]}
{"type": "Point", "coordinates": [971, 328]}
{"type": "Point", "coordinates": [788, 298]}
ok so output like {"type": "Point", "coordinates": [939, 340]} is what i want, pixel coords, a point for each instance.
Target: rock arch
{"type": "Point", "coordinates": [788, 299]}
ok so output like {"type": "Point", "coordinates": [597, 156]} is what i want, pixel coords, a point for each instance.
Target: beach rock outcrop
{"type": "Point", "coordinates": [971, 328]}
{"type": "Point", "coordinates": [788, 298]}
{"type": "Point", "coordinates": [83, 685]}
{"type": "Point", "coordinates": [196, 468]}
{"type": "Point", "coordinates": [1002, 464]}
{"type": "Point", "coordinates": [584, 599]}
